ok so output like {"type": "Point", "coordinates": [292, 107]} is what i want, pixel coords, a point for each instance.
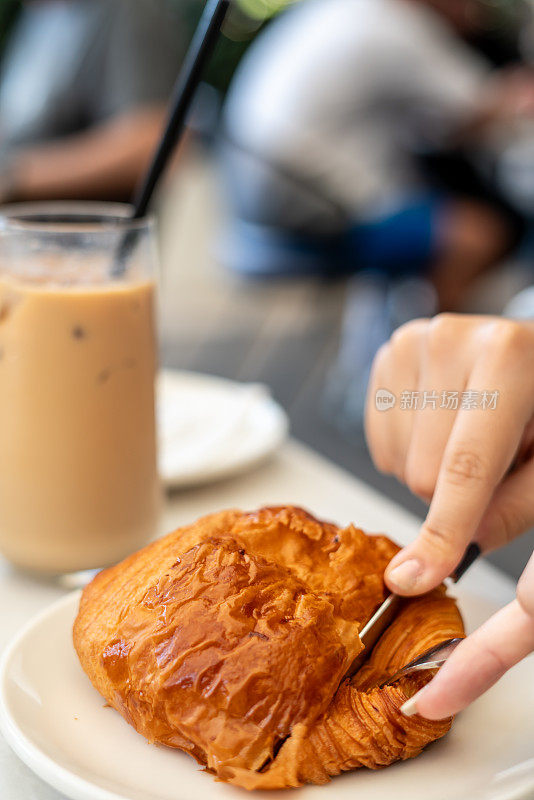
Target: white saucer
{"type": "Point", "coordinates": [58, 725]}
{"type": "Point", "coordinates": [211, 428]}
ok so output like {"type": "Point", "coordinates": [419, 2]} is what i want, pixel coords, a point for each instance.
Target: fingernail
{"type": "Point", "coordinates": [405, 576]}
{"type": "Point", "coordinates": [409, 708]}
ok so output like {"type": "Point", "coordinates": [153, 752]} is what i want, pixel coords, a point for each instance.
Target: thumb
{"type": "Point", "coordinates": [477, 663]}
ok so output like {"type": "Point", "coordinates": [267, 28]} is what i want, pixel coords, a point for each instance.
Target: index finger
{"type": "Point", "coordinates": [481, 447]}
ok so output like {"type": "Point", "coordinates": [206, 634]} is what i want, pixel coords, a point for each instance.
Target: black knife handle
{"type": "Point", "coordinates": [470, 555]}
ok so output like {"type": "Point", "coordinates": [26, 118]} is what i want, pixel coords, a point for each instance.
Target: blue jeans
{"type": "Point", "coordinates": [400, 243]}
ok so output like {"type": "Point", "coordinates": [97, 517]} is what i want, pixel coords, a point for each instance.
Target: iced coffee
{"type": "Point", "coordinates": [78, 479]}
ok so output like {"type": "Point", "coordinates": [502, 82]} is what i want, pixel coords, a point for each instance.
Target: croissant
{"type": "Point", "coordinates": [229, 639]}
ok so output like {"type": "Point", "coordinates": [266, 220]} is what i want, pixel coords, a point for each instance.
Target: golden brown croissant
{"type": "Point", "coordinates": [229, 639]}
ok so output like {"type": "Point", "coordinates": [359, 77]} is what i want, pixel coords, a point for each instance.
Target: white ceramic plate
{"type": "Point", "coordinates": [211, 428]}
{"type": "Point", "coordinates": [58, 724]}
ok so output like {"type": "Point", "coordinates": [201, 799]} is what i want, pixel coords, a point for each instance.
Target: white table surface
{"type": "Point", "coordinates": [295, 476]}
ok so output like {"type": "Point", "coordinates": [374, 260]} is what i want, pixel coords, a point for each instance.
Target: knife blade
{"type": "Point", "coordinates": [388, 610]}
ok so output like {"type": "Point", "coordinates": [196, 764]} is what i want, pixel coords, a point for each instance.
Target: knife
{"type": "Point", "coordinates": [388, 610]}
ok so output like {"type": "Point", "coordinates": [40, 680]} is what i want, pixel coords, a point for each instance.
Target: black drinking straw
{"type": "Point", "coordinates": [200, 49]}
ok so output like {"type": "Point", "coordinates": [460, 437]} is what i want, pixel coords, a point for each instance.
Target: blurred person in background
{"type": "Point", "coordinates": [323, 128]}
{"type": "Point", "coordinates": [83, 89]}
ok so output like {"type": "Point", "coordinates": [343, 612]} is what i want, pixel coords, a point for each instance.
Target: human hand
{"type": "Point", "coordinates": [481, 659]}
{"type": "Point", "coordinates": [511, 94]}
{"type": "Point", "coordinates": [458, 459]}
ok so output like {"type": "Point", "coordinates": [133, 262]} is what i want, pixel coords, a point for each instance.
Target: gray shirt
{"type": "Point", "coordinates": [73, 63]}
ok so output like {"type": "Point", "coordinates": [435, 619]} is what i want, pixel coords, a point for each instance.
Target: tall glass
{"type": "Point", "coordinates": [78, 479]}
